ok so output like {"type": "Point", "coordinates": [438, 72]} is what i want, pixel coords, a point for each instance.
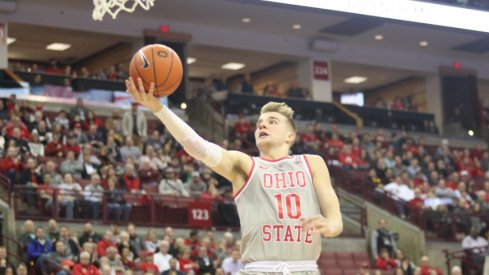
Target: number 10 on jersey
{"type": "Point", "coordinates": [292, 205]}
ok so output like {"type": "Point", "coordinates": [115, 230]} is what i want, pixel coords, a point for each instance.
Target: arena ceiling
{"type": "Point", "coordinates": [342, 28]}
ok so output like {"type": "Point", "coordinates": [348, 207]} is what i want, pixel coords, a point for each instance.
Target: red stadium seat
{"type": "Point", "coordinates": [351, 272]}
{"type": "Point", "coordinates": [328, 263]}
{"type": "Point", "coordinates": [346, 263]}
{"type": "Point", "coordinates": [361, 258]}
{"type": "Point", "coordinates": [327, 255]}
{"type": "Point", "coordinates": [344, 256]}
{"type": "Point", "coordinates": [332, 271]}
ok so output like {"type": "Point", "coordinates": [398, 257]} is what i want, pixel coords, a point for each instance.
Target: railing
{"type": "Point", "coordinates": [10, 242]}
{"type": "Point", "coordinates": [331, 113]}
{"type": "Point", "coordinates": [150, 210]}
{"type": "Point", "coordinates": [445, 225]}
{"type": "Point", "coordinates": [6, 185]}
{"type": "Point", "coordinates": [465, 258]}
{"type": "Point", "coordinates": [147, 210]}
{"type": "Point", "coordinates": [203, 112]}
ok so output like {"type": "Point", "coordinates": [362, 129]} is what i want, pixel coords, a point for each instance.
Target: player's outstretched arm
{"type": "Point", "coordinates": [232, 165]}
{"type": "Point", "coordinates": [330, 223]}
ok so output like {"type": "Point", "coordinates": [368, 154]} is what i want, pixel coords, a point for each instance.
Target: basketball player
{"type": "Point", "coordinates": [285, 203]}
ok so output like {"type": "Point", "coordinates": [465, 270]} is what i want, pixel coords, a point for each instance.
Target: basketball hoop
{"type": "Point", "coordinates": [113, 7]}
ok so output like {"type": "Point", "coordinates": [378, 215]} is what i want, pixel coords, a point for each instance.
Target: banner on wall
{"type": "Point", "coordinates": [200, 214]}
{"type": "Point", "coordinates": [321, 70]}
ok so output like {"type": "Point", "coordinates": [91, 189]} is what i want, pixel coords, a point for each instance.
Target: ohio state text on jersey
{"type": "Point", "coordinates": [276, 195]}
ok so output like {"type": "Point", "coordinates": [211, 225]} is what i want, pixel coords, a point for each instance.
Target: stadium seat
{"type": "Point", "coordinates": [360, 258]}
{"type": "Point", "coordinates": [332, 271]}
{"type": "Point", "coordinates": [344, 256]}
{"type": "Point", "coordinates": [344, 263]}
{"type": "Point", "coordinates": [327, 255]}
{"type": "Point", "coordinates": [328, 263]}
{"type": "Point", "coordinates": [351, 272]}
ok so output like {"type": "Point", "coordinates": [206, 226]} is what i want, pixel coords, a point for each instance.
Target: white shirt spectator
{"type": "Point", "coordinates": [399, 191]}
{"type": "Point", "coordinates": [231, 266]}
{"type": "Point", "coordinates": [163, 261]}
{"type": "Point", "coordinates": [69, 189]}
{"type": "Point", "coordinates": [94, 193]}
{"type": "Point", "coordinates": [475, 244]}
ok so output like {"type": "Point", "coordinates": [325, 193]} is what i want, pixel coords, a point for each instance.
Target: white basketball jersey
{"type": "Point", "coordinates": [275, 197]}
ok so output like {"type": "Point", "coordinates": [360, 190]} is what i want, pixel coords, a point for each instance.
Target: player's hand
{"type": "Point", "coordinates": [319, 224]}
{"type": "Point", "coordinates": [142, 97]}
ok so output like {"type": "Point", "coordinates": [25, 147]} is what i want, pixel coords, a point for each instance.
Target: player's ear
{"type": "Point", "coordinates": [290, 139]}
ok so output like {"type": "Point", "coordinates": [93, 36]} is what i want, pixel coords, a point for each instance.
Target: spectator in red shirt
{"type": "Point", "coordinates": [187, 264]}
{"type": "Point", "coordinates": [242, 127]}
{"type": "Point", "coordinates": [426, 269]}
{"type": "Point", "coordinates": [193, 241]}
{"type": "Point", "coordinates": [309, 136]}
{"type": "Point", "coordinates": [417, 203]}
{"type": "Point", "coordinates": [128, 180]}
{"type": "Point", "coordinates": [384, 262]}
{"type": "Point", "coordinates": [148, 265]}
{"type": "Point", "coordinates": [106, 243]}
{"type": "Point", "coordinates": [11, 162]}
{"type": "Point", "coordinates": [127, 258]}
{"type": "Point", "coordinates": [397, 104]}
{"type": "Point", "coordinates": [335, 141]}
{"type": "Point", "coordinates": [53, 67]}
{"type": "Point", "coordinates": [55, 148]}
{"type": "Point", "coordinates": [347, 159]}
{"type": "Point", "coordinates": [84, 267]}
{"type": "Point", "coordinates": [92, 120]}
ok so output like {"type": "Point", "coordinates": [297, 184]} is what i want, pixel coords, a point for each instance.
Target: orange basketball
{"type": "Point", "coordinates": [159, 64]}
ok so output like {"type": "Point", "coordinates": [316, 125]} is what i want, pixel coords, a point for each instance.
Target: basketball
{"type": "Point", "coordinates": [159, 64]}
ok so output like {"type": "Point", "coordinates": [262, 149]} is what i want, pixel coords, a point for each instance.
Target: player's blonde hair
{"type": "Point", "coordinates": [281, 108]}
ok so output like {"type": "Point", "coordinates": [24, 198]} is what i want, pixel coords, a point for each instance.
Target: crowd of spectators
{"type": "Point", "coordinates": [120, 250]}
{"type": "Point", "coordinates": [214, 85]}
{"type": "Point", "coordinates": [115, 72]}
{"type": "Point", "coordinates": [83, 157]}
{"type": "Point", "coordinates": [388, 257]}
{"type": "Point", "coordinates": [440, 179]}
{"type": "Point", "coordinates": [407, 103]}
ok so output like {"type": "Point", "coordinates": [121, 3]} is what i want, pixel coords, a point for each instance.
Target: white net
{"type": "Point", "coordinates": [113, 7]}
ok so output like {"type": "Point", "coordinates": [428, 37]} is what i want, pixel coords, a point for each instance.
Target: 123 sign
{"type": "Point", "coordinates": [199, 214]}
{"type": "Point", "coordinates": [321, 70]}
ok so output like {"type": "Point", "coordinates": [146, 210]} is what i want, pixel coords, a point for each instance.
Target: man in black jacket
{"type": "Point", "coordinates": [89, 235]}
{"type": "Point", "coordinates": [206, 266]}
{"type": "Point", "coordinates": [382, 238]}
{"type": "Point", "coordinates": [30, 179]}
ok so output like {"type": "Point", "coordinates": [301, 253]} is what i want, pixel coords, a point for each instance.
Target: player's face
{"type": "Point", "coordinates": [272, 129]}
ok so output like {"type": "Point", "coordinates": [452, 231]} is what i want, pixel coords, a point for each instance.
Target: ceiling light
{"type": "Point", "coordinates": [296, 27]}
{"type": "Point", "coordinates": [58, 47]}
{"type": "Point", "coordinates": [10, 40]}
{"type": "Point", "coordinates": [379, 37]}
{"type": "Point", "coordinates": [470, 133]}
{"type": "Point", "coordinates": [183, 106]}
{"type": "Point", "coordinates": [246, 20]}
{"type": "Point", "coordinates": [411, 11]}
{"type": "Point", "coordinates": [355, 79]}
{"type": "Point", "coordinates": [233, 66]}
{"type": "Point", "coordinates": [191, 60]}
{"type": "Point", "coordinates": [423, 43]}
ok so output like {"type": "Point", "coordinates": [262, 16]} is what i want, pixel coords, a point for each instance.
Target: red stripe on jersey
{"type": "Point", "coordinates": [308, 166]}
{"type": "Point", "coordinates": [275, 160]}
{"type": "Point", "coordinates": [248, 178]}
